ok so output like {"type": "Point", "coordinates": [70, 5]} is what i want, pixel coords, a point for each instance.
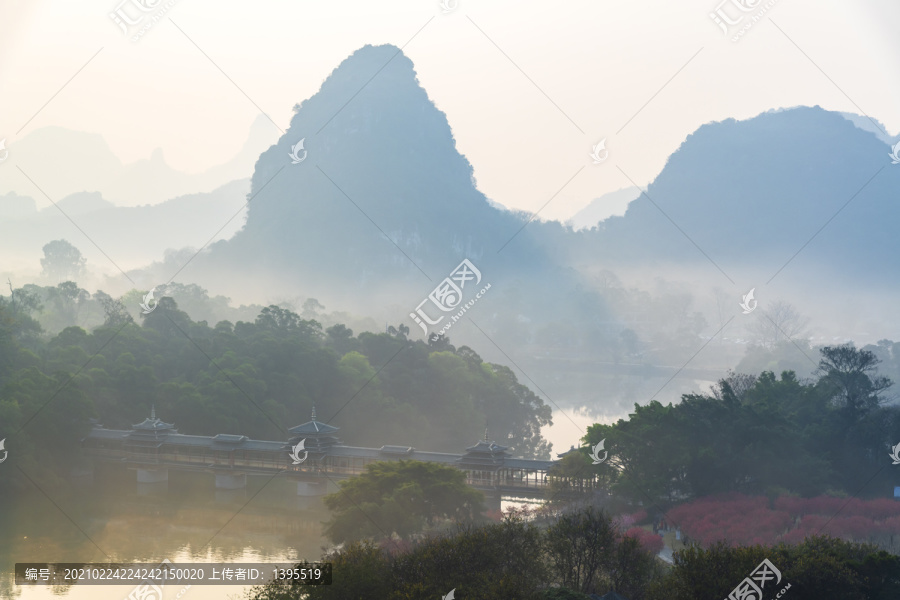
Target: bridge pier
{"type": "Point", "coordinates": [160, 489]}
{"type": "Point", "coordinates": [152, 475]}
{"type": "Point", "coordinates": [493, 502]}
{"type": "Point", "coordinates": [310, 493]}
{"type": "Point", "coordinates": [231, 481]}
{"type": "Point", "coordinates": [231, 496]}
{"type": "Point", "coordinates": [311, 488]}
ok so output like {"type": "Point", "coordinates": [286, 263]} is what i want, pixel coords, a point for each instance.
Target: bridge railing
{"type": "Point", "coordinates": [502, 479]}
{"type": "Point", "coordinates": [210, 460]}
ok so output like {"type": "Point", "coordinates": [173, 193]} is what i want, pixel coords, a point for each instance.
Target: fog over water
{"type": "Point", "coordinates": [471, 235]}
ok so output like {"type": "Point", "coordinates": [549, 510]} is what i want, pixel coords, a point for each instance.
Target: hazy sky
{"type": "Point", "coordinates": [573, 73]}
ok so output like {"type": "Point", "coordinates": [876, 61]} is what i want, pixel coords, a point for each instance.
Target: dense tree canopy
{"type": "Point", "coordinates": [400, 498]}
{"type": "Point", "coordinates": [516, 558]}
{"type": "Point", "coordinates": [819, 568]}
{"type": "Point", "coordinates": [756, 434]}
{"type": "Point", "coordinates": [567, 555]}
{"type": "Point", "coordinates": [255, 378]}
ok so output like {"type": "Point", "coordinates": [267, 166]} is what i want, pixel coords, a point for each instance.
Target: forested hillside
{"type": "Point", "coordinates": [257, 378]}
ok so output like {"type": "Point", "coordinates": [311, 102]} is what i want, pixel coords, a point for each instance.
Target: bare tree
{"type": "Point", "coordinates": [780, 322]}
{"type": "Point", "coordinates": [725, 304]}
{"type": "Point", "coordinates": [606, 280]}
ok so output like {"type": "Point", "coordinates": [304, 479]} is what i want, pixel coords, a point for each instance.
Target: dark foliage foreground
{"type": "Point", "coordinates": [821, 568]}
{"type": "Point", "coordinates": [582, 552]}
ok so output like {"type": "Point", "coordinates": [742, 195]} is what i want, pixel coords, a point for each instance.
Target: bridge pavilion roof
{"type": "Point", "coordinates": [151, 430]}
{"type": "Point", "coordinates": [152, 423]}
{"type": "Point", "coordinates": [319, 437]}
{"type": "Point", "coordinates": [571, 450]}
{"type": "Point", "coordinates": [313, 427]}
{"type": "Point", "coordinates": [482, 456]}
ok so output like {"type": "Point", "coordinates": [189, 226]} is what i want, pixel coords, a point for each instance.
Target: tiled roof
{"type": "Point", "coordinates": [485, 446]}
{"type": "Point", "coordinates": [313, 428]}
{"type": "Point", "coordinates": [396, 449]}
{"type": "Point", "coordinates": [484, 454]}
{"type": "Point", "coordinates": [228, 438]}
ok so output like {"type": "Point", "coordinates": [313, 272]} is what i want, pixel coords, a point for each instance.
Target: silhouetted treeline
{"type": "Point", "coordinates": [572, 554]}
{"type": "Point", "coordinates": [757, 435]}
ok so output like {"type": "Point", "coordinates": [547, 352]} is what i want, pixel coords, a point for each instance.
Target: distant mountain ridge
{"type": "Point", "coordinates": [383, 188]}
{"type": "Point", "coordinates": [129, 235]}
{"type": "Point", "coordinates": [599, 209]}
{"type": "Point", "coordinates": [83, 162]}
{"type": "Point", "coordinates": [755, 191]}
{"type": "Point", "coordinates": [383, 206]}
{"type": "Point", "coordinates": [873, 126]}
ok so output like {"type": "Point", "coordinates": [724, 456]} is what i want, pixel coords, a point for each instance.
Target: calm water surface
{"type": "Point", "coordinates": [111, 518]}
{"type": "Point", "coordinates": [184, 520]}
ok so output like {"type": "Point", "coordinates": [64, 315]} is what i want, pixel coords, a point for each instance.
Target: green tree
{"type": "Point", "coordinates": [359, 570]}
{"type": "Point", "coordinates": [851, 373]}
{"type": "Point", "coordinates": [62, 261]}
{"type": "Point", "coordinates": [632, 569]}
{"type": "Point", "coordinates": [581, 545]}
{"type": "Point", "coordinates": [283, 322]}
{"type": "Point", "coordinates": [575, 472]}
{"type": "Point", "coordinates": [67, 301]}
{"type": "Point", "coordinates": [340, 337]}
{"type": "Point", "coordinates": [820, 567]}
{"type": "Point", "coordinates": [495, 562]}
{"type": "Point", "coordinates": [312, 309]}
{"type": "Point", "coordinates": [115, 313]}
{"type": "Point", "coordinates": [400, 498]}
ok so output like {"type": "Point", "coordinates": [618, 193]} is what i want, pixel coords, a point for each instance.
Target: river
{"type": "Point", "coordinates": [109, 517]}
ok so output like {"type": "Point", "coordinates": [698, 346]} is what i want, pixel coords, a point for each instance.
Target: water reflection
{"type": "Point", "coordinates": [131, 522]}
{"type": "Point", "coordinates": [266, 521]}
